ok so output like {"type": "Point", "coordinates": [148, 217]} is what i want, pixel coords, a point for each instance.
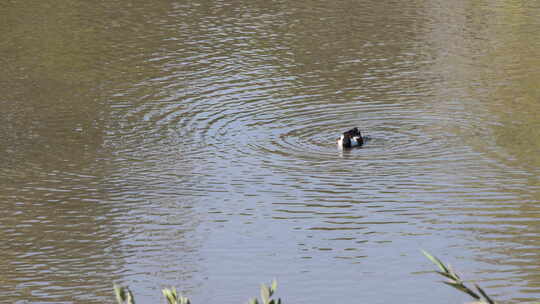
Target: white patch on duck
{"type": "Point", "coordinates": [340, 142]}
{"type": "Point", "coordinates": [355, 141]}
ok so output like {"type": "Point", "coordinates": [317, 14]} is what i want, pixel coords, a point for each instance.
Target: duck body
{"type": "Point", "coordinates": [350, 139]}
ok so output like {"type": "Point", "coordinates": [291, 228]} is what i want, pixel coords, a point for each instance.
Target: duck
{"type": "Point", "coordinates": [350, 139]}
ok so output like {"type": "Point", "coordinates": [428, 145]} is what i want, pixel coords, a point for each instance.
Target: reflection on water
{"type": "Point", "coordinates": [193, 144]}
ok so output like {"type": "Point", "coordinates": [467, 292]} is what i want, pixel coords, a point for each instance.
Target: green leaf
{"type": "Point", "coordinates": [119, 293]}
{"type": "Point", "coordinates": [130, 299]}
{"type": "Point", "coordinates": [184, 300]}
{"type": "Point", "coordinates": [123, 295]}
{"type": "Point", "coordinates": [484, 294]}
{"type": "Point", "coordinates": [436, 261]}
{"type": "Point", "coordinates": [463, 288]}
{"type": "Point", "coordinates": [274, 286]}
{"type": "Point", "coordinates": [444, 274]}
{"type": "Point", "coordinates": [170, 295]}
{"type": "Point", "coordinates": [265, 294]}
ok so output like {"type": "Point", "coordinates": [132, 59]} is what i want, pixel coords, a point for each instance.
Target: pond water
{"type": "Point", "coordinates": [193, 144]}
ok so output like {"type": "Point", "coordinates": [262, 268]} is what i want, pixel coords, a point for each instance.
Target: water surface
{"type": "Point", "coordinates": [193, 144]}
